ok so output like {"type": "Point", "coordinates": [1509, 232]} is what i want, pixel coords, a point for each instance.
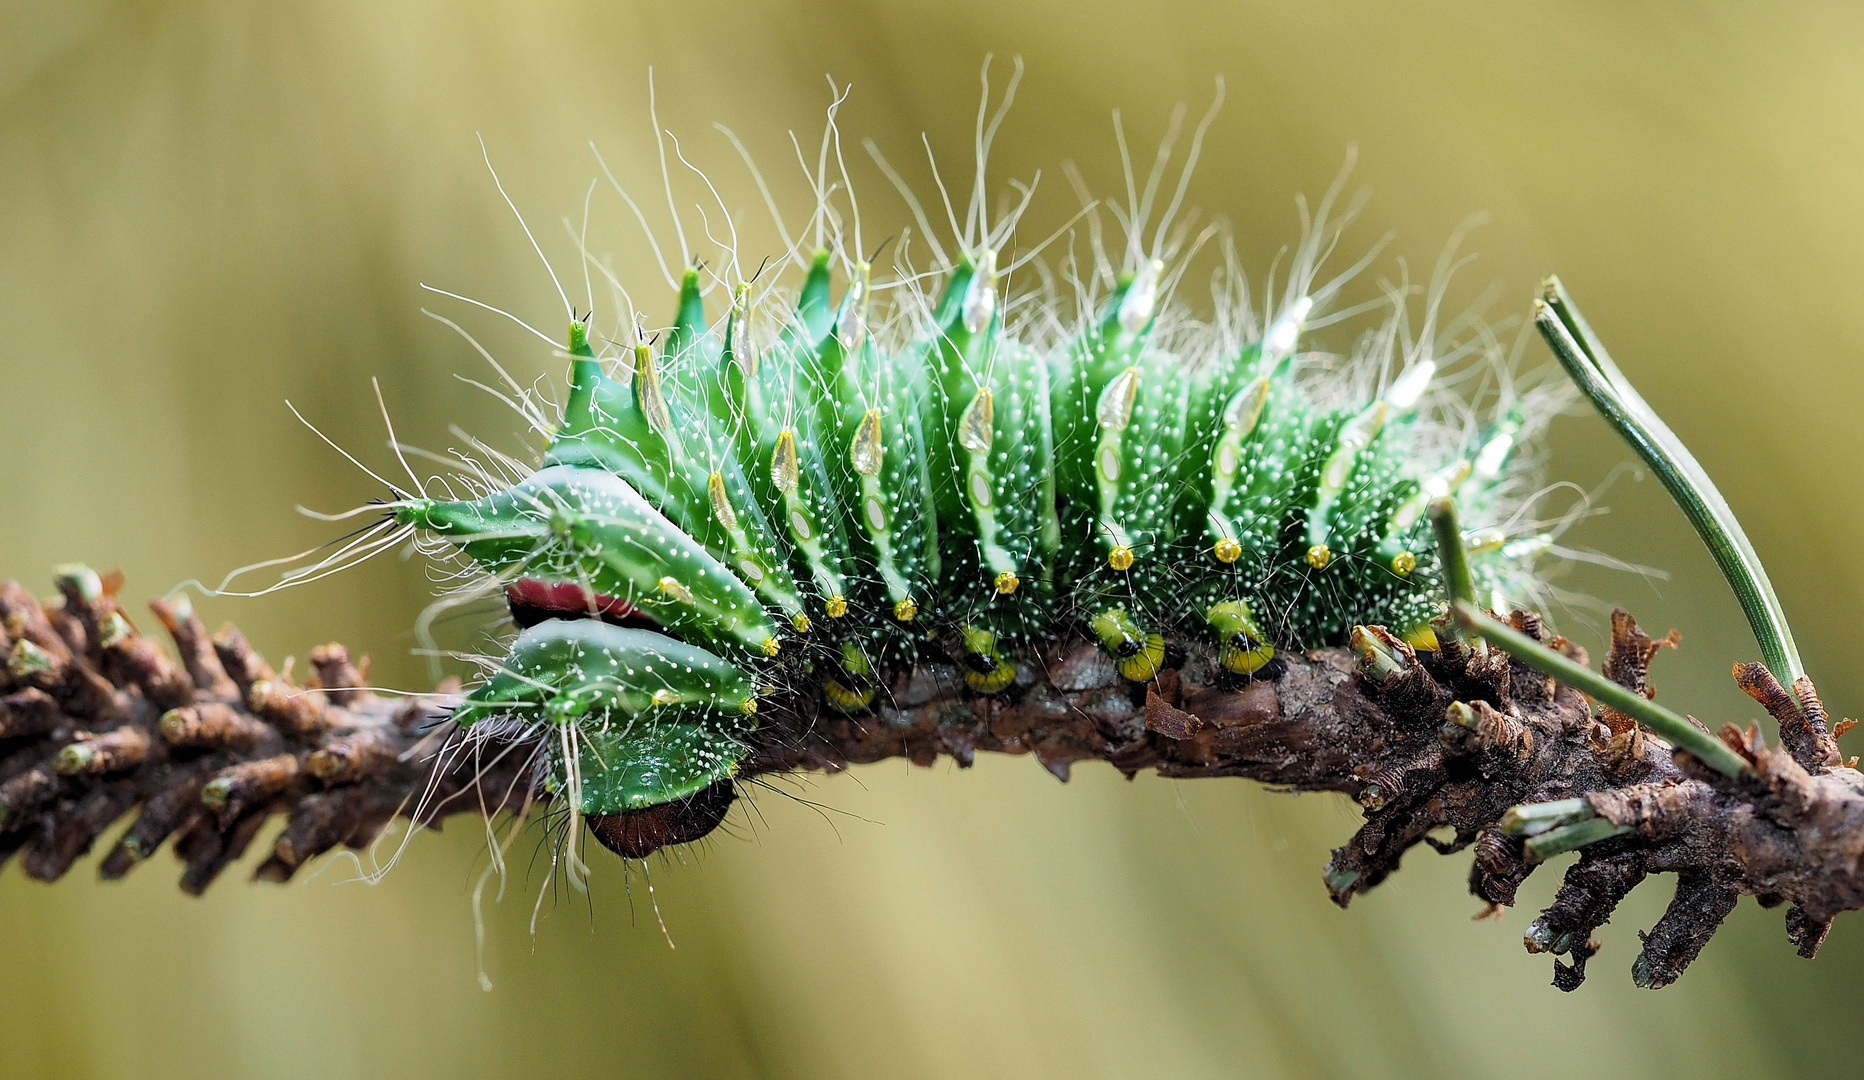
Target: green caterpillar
{"type": "Point", "coordinates": [792, 501]}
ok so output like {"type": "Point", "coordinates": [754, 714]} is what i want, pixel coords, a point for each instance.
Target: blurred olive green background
{"type": "Point", "coordinates": [209, 208]}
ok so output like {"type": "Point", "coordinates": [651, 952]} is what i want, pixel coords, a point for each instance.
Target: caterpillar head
{"type": "Point", "coordinates": [636, 834]}
{"type": "Point", "coordinates": [643, 733]}
{"type": "Point", "coordinates": [590, 528]}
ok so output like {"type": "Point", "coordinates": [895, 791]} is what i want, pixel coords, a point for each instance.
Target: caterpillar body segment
{"type": "Point", "coordinates": [654, 719]}
{"type": "Point", "coordinates": [989, 448]}
{"type": "Point", "coordinates": [1269, 462]}
{"type": "Point", "coordinates": [668, 444]}
{"type": "Point", "coordinates": [799, 448]}
{"type": "Point", "coordinates": [814, 497]}
{"type": "Point", "coordinates": [1079, 374]}
{"type": "Point", "coordinates": [877, 417]}
{"type": "Point", "coordinates": [1150, 405]}
{"type": "Point", "coordinates": [957, 353]}
{"type": "Point", "coordinates": [1004, 442]}
{"type": "Point", "coordinates": [898, 522]}
{"type": "Point", "coordinates": [589, 527]}
{"type": "Point", "coordinates": [1337, 469]}
{"type": "Point", "coordinates": [569, 669]}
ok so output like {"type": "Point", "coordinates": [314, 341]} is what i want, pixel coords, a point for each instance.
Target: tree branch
{"type": "Point", "coordinates": [1459, 748]}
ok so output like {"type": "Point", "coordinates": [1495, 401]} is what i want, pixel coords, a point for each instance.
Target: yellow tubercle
{"type": "Point", "coordinates": [906, 610]}
{"type": "Point", "coordinates": [1007, 583]}
{"type": "Point", "coordinates": [837, 606]}
{"type": "Point", "coordinates": [800, 622]}
{"type": "Point", "coordinates": [1403, 563]}
{"type": "Point", "coordinates": [772, 646]}
{"type": "Point", "coordinates": [1227, 550]}
{"type": "Point", "coordinates": [1120, 558]}
{"type": "Point", "coordinates": [1319, 556]}
{"type": "Point", "coordinates": [749, 706]}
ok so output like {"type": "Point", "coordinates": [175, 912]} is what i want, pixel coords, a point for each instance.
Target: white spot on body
{"type": "Point", "coordinates": [1109, 465]}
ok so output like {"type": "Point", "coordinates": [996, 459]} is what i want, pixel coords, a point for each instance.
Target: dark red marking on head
{"type": "Point", "coordinates": [636, 834]}
{"type": "Point", "coordinates": [533, 600]}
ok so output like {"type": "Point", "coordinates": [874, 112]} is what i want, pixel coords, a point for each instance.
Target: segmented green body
{"type": "Point", "coordinates": [804, 505]}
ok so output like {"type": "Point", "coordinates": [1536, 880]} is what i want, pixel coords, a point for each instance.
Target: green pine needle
{"type": "Point", "coordinates": [1592, 370]}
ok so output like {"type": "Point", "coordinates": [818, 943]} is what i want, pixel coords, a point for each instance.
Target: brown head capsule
{"type": "Point", "coordinates": [636, 834]}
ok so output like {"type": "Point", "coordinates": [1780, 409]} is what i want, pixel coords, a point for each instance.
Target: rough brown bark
{"type": "Point", "coordinates": [96, 720]}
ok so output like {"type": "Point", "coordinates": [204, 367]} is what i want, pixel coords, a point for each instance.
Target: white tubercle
{"type": "Point", "coordinates": [1282, 334]}
{"type": "Point", "coordinates": [1354, 438]}
{"type": "Point", "coordinates": [1141, 298]}
{"type": "Point", "coordinates": [1493, 454]}
{"type": "Point", "coordinates": [980, 299]}
{"type": "Point", "coordinates": [1443, 482]}
{"type": "Point", "coordinates": [976, 426]}
{"type": "Point", "coordinates": [1446, 480]}
{"type": "Point", "coordinates": [866, 452]}
{"type": "Point", "coordinates": [853, 328]}
{"type": "Point", "coordinates": [784, 471]}
{"type": "Point", "coordinates": [1409, 387]}
{"type": "Point", "coordinates": [1115, 409]}
{"type": "Point", "coordinates": [1526, 547]}
{"type": "Point", "coordinates": [742, 352]}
